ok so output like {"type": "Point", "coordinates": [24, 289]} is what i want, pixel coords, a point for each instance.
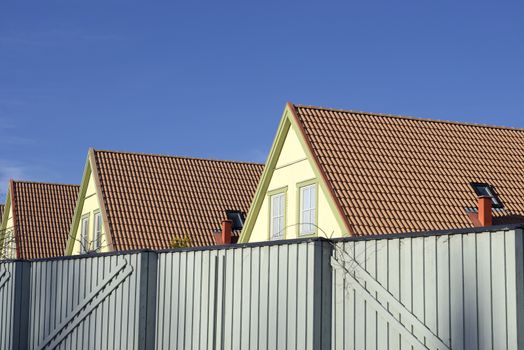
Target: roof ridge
{"type": "Point", "coordinates": [408, 117]}
{"type": "Point", "coordinates": [44, 183]}
{"type": "Point", "coordinates": [178, 157]}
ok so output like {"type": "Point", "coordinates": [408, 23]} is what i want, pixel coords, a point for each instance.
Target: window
{"type": "Point", "coordinates": [97, 232]}
{"type": "Point", "coordinates": [237, 217]}
{"type": "Point", "coordinates": [483, 189]}
{"type": "Point", "coordinates": [308, 210]}
{"type": "Point", "coordinates": [277, 215]}
{"type": "Point", "coordinates": [84, 231]}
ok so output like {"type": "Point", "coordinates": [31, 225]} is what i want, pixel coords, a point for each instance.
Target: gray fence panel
{"type": "Point", "coordinates": [245, 297]}
{"type": "Point", "coordinates": [13, 304]}
{"type": "Point", "coordinates": [97, 302]}
{"type": "Point", "coordinates": [456, 291]}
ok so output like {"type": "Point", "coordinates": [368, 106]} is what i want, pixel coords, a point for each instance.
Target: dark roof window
{"type": "Point", "coordinates": [483, 189]}
{"type": "Point", "coordinates": [237, 217]}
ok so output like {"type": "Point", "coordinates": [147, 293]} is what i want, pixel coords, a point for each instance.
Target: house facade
{"type": "Point", "coordinates": [36, 219]}
{"type": "Point", "coordinates": [291, 178]}
{"type": "Point", "coordinates": [338, 173]}
{"type": "Point", "coordinates": [134, 201]}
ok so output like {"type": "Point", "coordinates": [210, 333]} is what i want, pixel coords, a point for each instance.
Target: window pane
{"type": "Point", "coordinates": [307, 223]}
{"type": "Point", "coordinates": [304, 217]}
{"type": "Point", "coordinates": [305, 199]}
{"type": "Point", "coordinates": [274, 200]}
{"type": "Point", "coordinates": [83, 235]}
{"type": "Point", "coordinates": [277, 215]}
{"type": "Point", "coordinates": [97, 231]}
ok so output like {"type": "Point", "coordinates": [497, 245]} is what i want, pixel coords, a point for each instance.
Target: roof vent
{"type": "Point", "coordinates": [237, 217]}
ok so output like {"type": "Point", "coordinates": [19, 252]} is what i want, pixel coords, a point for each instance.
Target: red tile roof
{"type": "Point", "coordinates": [42, 215]}
{"type": "Point", "coordinates": [392, 174]}
{"type": "Point", "coordinates": [152, 199]}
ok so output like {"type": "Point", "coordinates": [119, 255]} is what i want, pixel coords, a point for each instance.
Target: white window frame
{"type": "Point", "coordinates": [84, 234]}
{"type": "Point", "coordinates": [277, 220]}
{"type": "Point", "coordinates": [97, 230]}
{"type": "Point", "coordinates": [307, 216]}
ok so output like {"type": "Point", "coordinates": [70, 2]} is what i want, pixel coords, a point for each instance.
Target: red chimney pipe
{"type": "Point", "coordinates": [485, 215]}
{"type": "Point", "coordinates": [224, 237]}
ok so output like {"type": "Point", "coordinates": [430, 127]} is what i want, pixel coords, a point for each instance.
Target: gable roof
{"type": "Point", "coordinates": [393, 174]}
{"type": "Point", "coordinates": [42, 214]}
{"type": "Point", "coordinates": [149, 200]}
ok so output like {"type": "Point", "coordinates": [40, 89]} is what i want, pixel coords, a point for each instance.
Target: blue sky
{"type": "Point", "coordinates": [211, 79]}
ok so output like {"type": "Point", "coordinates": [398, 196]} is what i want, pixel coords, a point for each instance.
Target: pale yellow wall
{"type": "Point", "coordinates": [9, 244]}
{"type": "Point", "coordinates": [90, 207]}
{"type": "Point", "coordinates": [293, 167]}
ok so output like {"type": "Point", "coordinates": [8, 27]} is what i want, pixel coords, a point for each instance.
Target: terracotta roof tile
{"type": "Point", "coordinates": [152, 199]}
{"type": "Point", "coordinates": [42, 214]}
{"type": "Point", "coordinates": [395, 174]}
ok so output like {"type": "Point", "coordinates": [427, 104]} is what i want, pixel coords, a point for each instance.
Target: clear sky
{"type": "Point", "coordinates": [211, 79]}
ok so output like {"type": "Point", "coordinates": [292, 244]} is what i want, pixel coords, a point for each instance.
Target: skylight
{"type": "Point", "coordinates": [483, 189]}
{"type": "Point", "coordinates": [237, 217]}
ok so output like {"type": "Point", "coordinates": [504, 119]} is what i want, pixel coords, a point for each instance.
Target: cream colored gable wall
{"type": "Point", "coordinates": [90, 207]}
{"type": "Point", "coordinates": [292, 168]}
{"type": "Point", "coordinates": [9, 244]}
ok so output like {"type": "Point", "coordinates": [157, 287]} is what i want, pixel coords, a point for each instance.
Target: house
{"type": "Point", "coordinates": [36, 218]}
{"type": "Point", "coordinates": [133, 201]}
{"type": "Point", "coordinates": [337, 173]}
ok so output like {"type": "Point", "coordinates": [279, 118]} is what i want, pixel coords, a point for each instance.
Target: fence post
{"type": "Point", "coordinates": [148, 294]}
{"type": "Point", "coordinates": [21, 305]}
{"type": "Point", "coordinates": [519, 278]}
{"type": "Point", "coordinates": [323, 294]}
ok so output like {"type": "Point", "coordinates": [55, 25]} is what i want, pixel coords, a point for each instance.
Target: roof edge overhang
{"type": "Point", "coordinates": [71, 237]}
{"type": "Point", "coordinates": [16, 234]}
{"type": "Point", "coordinates": [101, 197]}
{"type": "Point", "coordinates": [320, 170]}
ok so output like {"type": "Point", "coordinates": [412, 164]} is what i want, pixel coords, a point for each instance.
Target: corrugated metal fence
{"type": "Point", "coordinates": [437, 292]}
{"type": "Point", "coordinates": [259, 297]}
{"type": "Point", "coordinates": [98, 302]}
{"type": "Point", "coordinates": [460, 290]}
